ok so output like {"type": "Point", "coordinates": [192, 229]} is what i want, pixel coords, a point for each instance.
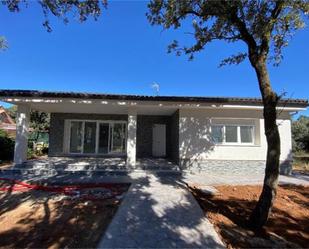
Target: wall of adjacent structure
{"type": "Point", "coordinates": [197, 150]}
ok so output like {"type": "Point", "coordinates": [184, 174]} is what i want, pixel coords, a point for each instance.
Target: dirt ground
{"type": "Point", "coordinates": [40, 219]}
{"type": "Point", "coordinates": [229, 209]}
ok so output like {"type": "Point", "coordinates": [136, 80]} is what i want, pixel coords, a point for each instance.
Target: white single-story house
{"type": "Point", "coordinates": [204, 133]}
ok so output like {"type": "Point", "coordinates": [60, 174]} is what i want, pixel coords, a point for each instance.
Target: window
{"type": "Point", "coordinates": [246, 134]}
{"type": "Point", "coordinates": [233, 134]}
{"type": "Point", "coordinates": [217, 133]}
{"type": "Point", "coordinates": [97, 137]}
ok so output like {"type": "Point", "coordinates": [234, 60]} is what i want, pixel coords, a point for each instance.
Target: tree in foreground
{"type": "Point", "coordinates": [266, 28]}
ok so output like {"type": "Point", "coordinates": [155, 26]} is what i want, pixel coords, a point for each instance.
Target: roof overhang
{"type": "Point", "coordinates": [146, 105]}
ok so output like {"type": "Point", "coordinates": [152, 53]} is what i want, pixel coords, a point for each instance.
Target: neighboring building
{"type": "Point", "coordinates": [7, 123]}
{"type": "Point", "coordinates": [197, 133]}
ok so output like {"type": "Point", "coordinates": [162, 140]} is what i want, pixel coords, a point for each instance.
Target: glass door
{"type": "Point", "coordinates": [96, 137]}
{"type": "Point", "coordinates": [90, 137]}
{"type": "Point", "coordinates": [118, 138]}
{"type": "Point", "coordinates": [103, 138]}
{"type": "Point", "coordinates": [76, 137]}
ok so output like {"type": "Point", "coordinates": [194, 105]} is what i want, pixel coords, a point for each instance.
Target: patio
{"type": "Point", "coordinates": [76, 164]}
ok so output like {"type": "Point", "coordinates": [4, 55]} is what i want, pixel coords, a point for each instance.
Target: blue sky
{"type": "Point", "coordinates": [122, 53]}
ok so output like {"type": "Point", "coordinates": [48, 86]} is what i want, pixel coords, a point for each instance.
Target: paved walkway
{"type": "Point", "coordinates": [238, 179]}
{"type": "Point", "coordinates": [159, 213]}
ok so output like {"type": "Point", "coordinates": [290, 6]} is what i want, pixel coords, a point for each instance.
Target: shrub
{"type": "Point", "coordinates": [30, 153]}
{"type": "Point", "coordinates": [300, 134]}
{"type": "Point", "coordinates": [6, 146]}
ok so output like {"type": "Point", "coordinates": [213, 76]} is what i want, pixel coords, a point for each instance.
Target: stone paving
{"type": "Point", "coordinates": [95, 164]}
{"type": "Point", "coordinates": [239, 179]}
{"type": "Point", "coordinates": [160, 213]}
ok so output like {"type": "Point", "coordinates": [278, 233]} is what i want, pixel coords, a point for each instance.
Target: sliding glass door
{"type": "Point", "coordinates": [103, 138]}
{"type": "Point", "coordinates": [97, 137]}
{"type": "Point", "coordinates": [90, 137]}
{"type": "Point", "coordinates": [117, 138]}
{"type": "Point", "coordinates": [76, 137]}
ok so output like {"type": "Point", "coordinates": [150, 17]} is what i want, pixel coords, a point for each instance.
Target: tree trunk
{"type": "Point", "coordinates": [260, 214]}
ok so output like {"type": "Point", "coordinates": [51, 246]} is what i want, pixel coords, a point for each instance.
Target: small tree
{"type": "Point", "coordinates": [39, 122]}
{"type": "Point", "coordinates": [265, 27]}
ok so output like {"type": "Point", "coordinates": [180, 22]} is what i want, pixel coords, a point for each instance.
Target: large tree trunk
{"type": "Point", "coordinates": [262, 210]}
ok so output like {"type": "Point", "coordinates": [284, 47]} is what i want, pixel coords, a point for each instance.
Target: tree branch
{"type": "Point", "coordinates": [189, 12]}
{"type": "Point", "coordinates": [241, 26]}
{"type": "Point", "coordinates": [264, 48]}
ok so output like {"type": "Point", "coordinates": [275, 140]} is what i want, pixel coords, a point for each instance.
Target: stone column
{"type": "Point", "coordinates": [131, 138]}
{"type": "Point", "coordinates": [22, 126]}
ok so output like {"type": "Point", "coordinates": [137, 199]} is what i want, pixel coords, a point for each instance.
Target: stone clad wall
{"type": "Point", "coordinates": [232, 167]}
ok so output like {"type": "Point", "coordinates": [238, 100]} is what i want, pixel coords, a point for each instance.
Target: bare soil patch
{"type": "Point", "coordinates": [230, 208]}
{"type": "Point", "coordinates": [40, 219]}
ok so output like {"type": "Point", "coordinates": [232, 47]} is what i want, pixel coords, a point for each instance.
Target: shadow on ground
{"type": "Point", "coordinates": [37, 219]}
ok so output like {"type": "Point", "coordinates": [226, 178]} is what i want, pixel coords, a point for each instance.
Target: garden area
{"type": "Point", "coordinates": [35, 216]}
{"type": "Point", "coordinates": [229, 209]}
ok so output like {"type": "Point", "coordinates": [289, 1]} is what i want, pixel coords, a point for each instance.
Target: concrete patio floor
{"type": "Point", "coordinates": [96, 164]}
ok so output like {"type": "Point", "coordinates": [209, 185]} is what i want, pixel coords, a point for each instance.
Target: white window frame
{"type": "Point", "coordinates": [98, 122]}
{"type": "Point", "coordinates": [238, 134]}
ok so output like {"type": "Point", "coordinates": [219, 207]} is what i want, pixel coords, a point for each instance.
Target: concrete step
{"type": "Point", "coordinates": [60, 172]}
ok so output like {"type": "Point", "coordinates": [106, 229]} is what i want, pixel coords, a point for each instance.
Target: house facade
{"type": "Point", "coordinates": [196, 133]}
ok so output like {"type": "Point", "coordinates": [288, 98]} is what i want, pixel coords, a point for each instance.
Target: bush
{"type": "Point", "coordinates": [300, 134]}
{"type": "Point", "coordinates": [6, 146]}
{"type": "Point", "coordinates": [30, 153]}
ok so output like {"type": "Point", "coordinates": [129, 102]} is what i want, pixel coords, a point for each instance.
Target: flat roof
{"type": "Point", "coordinates": [84, 95]}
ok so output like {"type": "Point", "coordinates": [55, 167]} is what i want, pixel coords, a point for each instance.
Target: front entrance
{"type": "Point", "coordinates": [159, 140]}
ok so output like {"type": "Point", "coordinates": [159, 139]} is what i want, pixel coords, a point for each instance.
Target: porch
{"type": "Point", "coordinates": [113, 134]}
{"type": "Point", "coordinates": [59, 165]}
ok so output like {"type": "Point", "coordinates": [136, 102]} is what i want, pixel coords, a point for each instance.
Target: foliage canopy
{"type": "Point", "coordinates": [265, 26]}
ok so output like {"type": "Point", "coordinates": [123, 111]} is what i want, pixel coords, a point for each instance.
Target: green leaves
{"type": "Point", "coordinates": [234, 59]}
{"type": "Point", "coordinates": [3, 43]}
{"type": "Point", "coordinates": [39, 121]}
{"type": "Point", "coordinates": [63, 9]}
{"type": "Point", "coordinates": [265, 26]}
{"type": "Point", "coordinates": [300, 134]}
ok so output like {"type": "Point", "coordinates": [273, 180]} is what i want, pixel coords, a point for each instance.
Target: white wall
{"type": "Point", "coordinates": [195, 141]}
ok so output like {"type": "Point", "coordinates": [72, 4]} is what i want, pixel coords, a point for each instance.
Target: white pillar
{"type": "Point", "coordinates": [131, 138]}
{"type": "Point", "coordinates": [22, 126]}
